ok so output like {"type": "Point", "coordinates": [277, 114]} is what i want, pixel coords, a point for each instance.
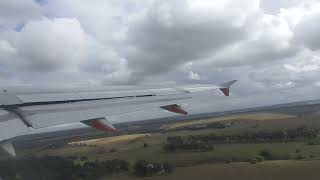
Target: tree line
{"type": "Point", "coordinates": [202, 142]}
{"type": "Point", "coordinates": [60, 168]}
{"type": "Point", "coordinates": [179, 143]}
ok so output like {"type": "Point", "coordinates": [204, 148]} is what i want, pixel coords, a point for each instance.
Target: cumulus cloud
{"type": "Point", "coordinates": [48, 45]}
{"type": "Point", "coordinates": [172, 33]}
{"type": "Point", "coordinates": [105, 20]}
{"type": "Point", "coordinates": [268, 46]}
{"type": "Point", "coordinates": [270, 40]}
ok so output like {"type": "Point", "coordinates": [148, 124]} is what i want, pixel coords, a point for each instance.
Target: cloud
{"type": "Point", "coordinates": [307, 26]}
{"type": "Point", "coordinates": [270, 40]}
{"type": "Point", "coordinates": [275, 6]}
{"type": "Point", "coordinates": [194, 76]}
{"type": "Point", "coordinates": [266, 45]}
{"type": "Point", "coordinates": [6, 49]}
{"type": "Point", "coordinates": [16, 12]}
{"type": "Point", "coordinates": [172, 33]}
{"type": "Point", "coordinates": [49, 45]}
{"type": "Point", "coordinates": [60, 50]}
{"type": "Point", "coordinates": [104, 20]}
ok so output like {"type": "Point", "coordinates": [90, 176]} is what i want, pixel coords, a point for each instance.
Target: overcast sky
{"type": "Point", "coordinates": [271, 46]}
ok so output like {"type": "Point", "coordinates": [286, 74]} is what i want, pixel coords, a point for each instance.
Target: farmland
{"type": "Point", "coordinates": [131, 147]}
{"type": "Point", "coordinates": [257, 145]}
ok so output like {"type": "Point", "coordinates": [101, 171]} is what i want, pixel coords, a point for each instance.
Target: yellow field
{"type": "Point", "coordinates": [254, 116]}
{"type": "Point", "coordinates": [112, 140]}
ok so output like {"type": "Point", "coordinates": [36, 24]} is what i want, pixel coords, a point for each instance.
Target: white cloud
{"type": "Point", "coordinates": [268, 46]}
{"type": "Point", "coordinates": [6, 48]}
{"type": "Point", "coordinates": [173, 33]}
{"type": "Point", "coordinates": [194, 75]}
{"type": "Point", "coordinates": [308, 62]}
{"type": "Point", "coordinates": [104, 20]}
{"type": "Point", "coordinates": [58, 44]}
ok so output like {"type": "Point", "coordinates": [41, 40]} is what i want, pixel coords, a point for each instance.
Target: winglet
{"type": "Point", "coordinates": [8, 147]}
{"type": "Point", "coordinates": [225, 87]}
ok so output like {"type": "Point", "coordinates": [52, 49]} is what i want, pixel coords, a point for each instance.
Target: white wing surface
{"type": "Point", "coordinates": [23, 108]}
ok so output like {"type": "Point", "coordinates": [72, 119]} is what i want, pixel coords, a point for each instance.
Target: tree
{"type": "Point", "coordinates": [259, 158]}
{"type": "Point", "coordinates": [145, 144]}
{"type": "Point", "coordinates": [265, 153]}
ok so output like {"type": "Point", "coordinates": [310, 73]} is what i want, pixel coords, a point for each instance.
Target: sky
{"type": "Point", "coordinates": [271, 46]}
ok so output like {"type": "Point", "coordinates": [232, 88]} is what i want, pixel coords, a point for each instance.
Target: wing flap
{"type": "Point", "coordinates": [101, 124]}
{"type": "Point", "coordinates": [175, 109]}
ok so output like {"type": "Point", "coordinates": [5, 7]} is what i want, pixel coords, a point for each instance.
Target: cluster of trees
{"type": "Point", "coordinates": [202, 142]}
{"type": "Point", "coordinates": [145, 168]}
{"type": "Point", "coordinates": [52, 168]}
{"type": "Point", "coordinates": [264, 154]}
{"type": "Point", "coordinates": [178, 143]}
{"type": "Point", "coordinates": [79, 145]}
{"type": "Point", "coordinates": [254, 137]}
{"type": "Point", "coordinates": [92, 170]}
{"type": "Point", "coordinates": [214, 125]}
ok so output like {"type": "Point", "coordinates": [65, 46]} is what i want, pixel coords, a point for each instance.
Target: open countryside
{"type": "Point", "coordinates": [268, 144]}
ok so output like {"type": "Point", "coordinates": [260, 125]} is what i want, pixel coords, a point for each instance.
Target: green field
{"type": "Point", "coordinates": [289, 160]}
{"type": "Point", "coordinates": [132, 149]}
{"type": "Point", "coordinates": [221, 153]}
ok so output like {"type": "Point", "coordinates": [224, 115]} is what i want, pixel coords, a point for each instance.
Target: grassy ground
{"type": "Point", "coordinates": [130, 147]}
{"type": "Point", "coordinates": [269, 170]}
{"type": "Point", "coordinates": [242, 117]}
{"type": "Point", "coordinates": [134, 150]}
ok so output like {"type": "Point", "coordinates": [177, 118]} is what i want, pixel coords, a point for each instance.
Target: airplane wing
{"type": "Point", "coordinates": [25, 108]}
